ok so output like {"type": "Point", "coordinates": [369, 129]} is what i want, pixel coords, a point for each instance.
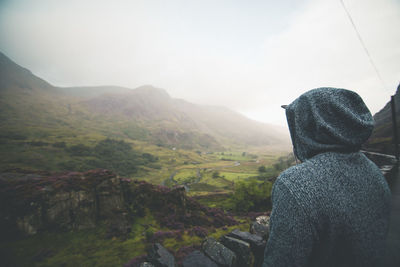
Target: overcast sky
{"type": "Point", "coordinates": [250, 56]}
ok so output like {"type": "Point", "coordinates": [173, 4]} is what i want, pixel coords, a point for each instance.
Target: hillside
{"type": "Point", "coordinates": [30, 101]}
{"type": "Point", "coordinates": [96, 219]}
{"type": "Point", "coordinates": [381, 139]}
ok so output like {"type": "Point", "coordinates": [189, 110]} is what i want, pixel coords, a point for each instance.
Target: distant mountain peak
{"type": "Point", "coordinates": [150, 90]}
{"type": "Point", "coordinates": [15, 77]}
{"type": "Point", "coordinates": [147, 112]}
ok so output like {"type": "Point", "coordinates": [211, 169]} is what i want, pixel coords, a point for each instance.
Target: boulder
{"type": "Point", "coordinates": [222, 255]}
{"type": "Point", "coordinates": [257, 244]}
{"type": "Point", "coordinates": [146, 264]}
{"type": "Point", "coordinates": [160, 256]}
{"type": "Point", "coordinates": [242, 250]}
{"type": "Point", "coordinates": [198, 259]}
{"type": "Point", "coordinates": [260, 227]}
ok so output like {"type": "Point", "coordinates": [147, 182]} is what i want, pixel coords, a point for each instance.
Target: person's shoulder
{"type": "Point", "coordinates": [296, 173]}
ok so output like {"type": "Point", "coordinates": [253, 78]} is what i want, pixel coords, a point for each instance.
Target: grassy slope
{"type": "Point", "coordinates": [92, 248]}
{"type": "Point", "coordinates": [33, 121]}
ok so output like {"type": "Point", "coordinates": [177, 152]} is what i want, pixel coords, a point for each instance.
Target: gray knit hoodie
{"type": "Point", "coordinates": [333, 208]}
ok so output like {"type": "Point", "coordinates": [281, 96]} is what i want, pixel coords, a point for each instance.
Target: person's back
{"type": "Point", "coordinates": [332, 209]}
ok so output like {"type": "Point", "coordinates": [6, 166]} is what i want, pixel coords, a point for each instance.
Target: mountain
{"type": "Point", "coordinates": [14, 77]}
{"type": "Point", "coordinates": [381, 139]}
{"type": "Point", "coordinates": [34, 108]}
{"type": "Point", "coordinates": [93, 91]}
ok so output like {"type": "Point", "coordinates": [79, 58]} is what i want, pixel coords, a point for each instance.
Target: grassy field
{"type": "Point", "coordinates": [211, 178]}
{"type": "Point", "coordinates": [93, 248]}
{"type": "Point", "coordinates": [64, 151]}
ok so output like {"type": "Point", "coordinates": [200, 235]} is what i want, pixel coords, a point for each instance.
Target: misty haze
{"type": "Point", "coordinates": [152, 131]}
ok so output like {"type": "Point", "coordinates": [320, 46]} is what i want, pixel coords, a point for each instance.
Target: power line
{"type": "Point", "coordinates": [363, 45]}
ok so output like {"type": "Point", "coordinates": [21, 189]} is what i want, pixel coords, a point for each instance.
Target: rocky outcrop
{"type": "Point", "coordinates": [257, 244]}
{"type": "Point", "coordinates": [260, 227]}
{"type": "Point", "coordinates": [219, 253]}
{"type": "Point", "coordinates": [236, 249]}
{"type": "Point", "coordinates": [34, 202]}
{"type": "Point", "coordinates": [198, 259]}
{"type": "Point", "coordinates": [68, 201]}
{"type": "Point", "coordinates": [241, 249]}
{"type": "Point", "coordinates": [161, 257]}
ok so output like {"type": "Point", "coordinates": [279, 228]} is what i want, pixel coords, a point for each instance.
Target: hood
{"type": "Point", "coordinates": [328, 119]}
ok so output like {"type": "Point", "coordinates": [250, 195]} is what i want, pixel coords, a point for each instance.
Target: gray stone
{"type": "Point", "coordinates": [260, 227]}
{"type": "Point", "coordinates": [241, 249]}
{"type": "Point", "coordinates": [198, 259]}
{"type": "Point", "coordinates": [222, 255]}
{"type": "Point", "coordinates": [160, 256]}
{"type": "Point", "coordinates": [146, 264]}
{"type": "Point", "coordinates": [257, 244]}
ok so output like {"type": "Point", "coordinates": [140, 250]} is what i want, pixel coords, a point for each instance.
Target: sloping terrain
{"type": "Point", "coordinates": [39, 121]}
{"type": "Point", "coordinates": [29, 102]}
{"type": "Point", "coordinates": [381, 139]}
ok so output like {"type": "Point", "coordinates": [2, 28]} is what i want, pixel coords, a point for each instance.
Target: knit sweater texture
{"type": "Point", "coordinates": [333, 208]}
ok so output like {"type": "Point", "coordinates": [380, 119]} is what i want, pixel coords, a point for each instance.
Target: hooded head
{"type": "Point", "coordinates": [328, 119]}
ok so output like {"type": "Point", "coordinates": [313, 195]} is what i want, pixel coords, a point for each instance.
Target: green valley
{"type": "Point", "coordinates": [91, 176]}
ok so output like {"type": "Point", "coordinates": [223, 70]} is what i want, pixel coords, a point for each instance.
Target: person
{"type": "Point", "coordinates": [332, 209]}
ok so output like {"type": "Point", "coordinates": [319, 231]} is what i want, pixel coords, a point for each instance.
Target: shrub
{"type": "Point", "coordinates": [135, 262]}
{"type": "Point", "coordinates": [198, 231]}
{"type": "Point", "coordinates": [262, 169]}
{"type": "Point", "coordinates": [79, 150]}
{"type": "Point", "coordinates": [38, 143]}
{"type": "Point", "coordinates": [252, 195]}
{"type": "Point", "coordinates": [149, 234]}
{"type": "Point", "coordinates": [59, 144]}
{"type": "Point", "coordinates": [149, 157]}
{"type": "Point", "coordinates": [159, 236]}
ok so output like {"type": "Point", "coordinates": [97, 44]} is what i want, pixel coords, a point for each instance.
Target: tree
{"type": "Point", "coordinates": [252, 195]}
{"type": "Point", "coordinates": [262, 169]}
{"type": "Point", "coordinates": [215, 174]}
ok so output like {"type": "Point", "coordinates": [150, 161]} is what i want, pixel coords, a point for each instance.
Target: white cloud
{"type": "Point", "coordinates": [250, 57]}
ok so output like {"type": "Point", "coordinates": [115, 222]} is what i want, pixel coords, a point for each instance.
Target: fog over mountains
{"type": "Point", "coordinates": [32, 107]}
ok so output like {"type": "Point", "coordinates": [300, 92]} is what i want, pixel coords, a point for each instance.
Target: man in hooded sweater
{"type": "Point", "coordinates": [333, 208]}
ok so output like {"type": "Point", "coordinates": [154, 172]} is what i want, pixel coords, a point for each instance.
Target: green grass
{"type": "Point", "coordinates": [81, 248]}
{"type": "Point", "coordinates": [235, 176]}
{"type": "Point", "coordinates": [92, 248]}
{"type": "Point", "coordinates": [186, 175]}
{"type": "Point", "coordinates": [223, 201]}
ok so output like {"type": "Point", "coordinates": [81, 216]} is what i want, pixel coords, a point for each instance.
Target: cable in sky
{"type": "Point", "coordinates": [363, 45]}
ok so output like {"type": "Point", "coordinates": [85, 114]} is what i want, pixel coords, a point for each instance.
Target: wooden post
{"type": "Point", "coordinates": [395, 138]}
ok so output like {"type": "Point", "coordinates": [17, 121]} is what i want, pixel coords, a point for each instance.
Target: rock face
{"type": "Point", "coordinates": [198, 259]}
{"type": "Point", "coordinates": [34, 202]}
{"type": "Point", "coordinates": [68, 201]}
{"type": "Point", "coordinates": [241, 249]}
{"type": "Point", "coordinates": [219, 253]}
{"type": "Point", "coordinates": [161, 257]}
{"type": "Point", "coordinates": [260, 227]}
{"type": "Point", "coordinates": [146, 264]}
{"type": "Point", "coordinates": [257, 244]}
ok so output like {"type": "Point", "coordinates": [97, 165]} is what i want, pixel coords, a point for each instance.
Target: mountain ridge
{"type": "Point", "coordinates": [30, 101]}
